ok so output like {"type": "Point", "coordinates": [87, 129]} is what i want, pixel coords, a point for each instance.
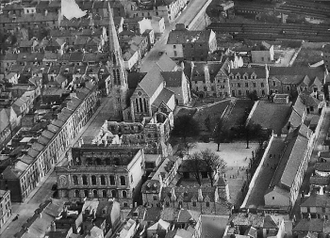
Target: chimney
{"type": "Point", "coordinates": [200, 195]}
{"type": "Point", "coordinates": [53, 226]}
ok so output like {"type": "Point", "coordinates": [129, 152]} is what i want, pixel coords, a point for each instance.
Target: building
{"type": "Point", "coordinates": [326, 56]}
{"type": "Point", "coordinates": [246, 81]}
{"type": "Point", "coordinates": [50, 143]}
{"type": "Point", "coordinates": [289, 174]}
{"type": "Point", "coordinates": [263, 53]}
{"type": "Point", "coordinates": [315, 206]}
{"type": "Point", "coordinates": [255, 225]}
{"type": "Point", "coordinates": [102, 172]}
{"type": "Point", "coordinates": [190, 45]}
{"type": "Point", "coordinates": [311, 227]}
{"type": "Point", "coordinates": [5, 205]}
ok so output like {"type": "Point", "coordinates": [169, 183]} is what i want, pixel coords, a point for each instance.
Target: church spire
{"type": "Point", "coordinates": [114, 47]}
{"type": "Point", "coordinates": [117, 86]}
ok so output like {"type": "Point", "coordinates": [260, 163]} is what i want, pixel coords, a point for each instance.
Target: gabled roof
{"type": "Point", "coordinates": [316, 200]}
{"type": "Point", "coordinates": [260, 72]}
{"type": "Point", "coordinates": [151, 81]}
{"type": "Point", "coordinates": [185, 36]}
{"type": "Point", "coordinates": [173, 79]}
{"type": "Point", "coordinates": [164, 96]}
{"type": "Point", "coordinates": [295, 75]}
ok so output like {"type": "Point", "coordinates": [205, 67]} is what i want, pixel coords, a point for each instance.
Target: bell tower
{"type": "Point", "coordinates": [118, 87]}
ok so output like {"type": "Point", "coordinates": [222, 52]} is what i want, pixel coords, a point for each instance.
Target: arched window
{"type": "Point", "coordinates": [107, 162]}
{"type": "Point", "coordinates": [76, 194]}
{"type": "Point", "coordinates": [95, 193]}
{"type": "Point", "coordinates": [98, 161]}
{"type": "Point", "coordinates": [84, 179]}
{"type": "Point", "coordinates": [104, 193]}
{"type": "Point", "coordinates": [112, 180]}
{"type": "Point", "coordinates": [75, 179]}
{"type": "Point", "coordinates": [86, 193]}
{"type": "Point", "coordinates": [93, 180]}
{"type": "Point", "coordinates": [113, 193]}
{"type": "Point", "coordinates": [124, 194]}
{"type": "Point", "coordinates": [102, 180]}
{"type": "Point", "coordinates": [122, 180]}
{"type": "Point", "coordinates": [207, 204]}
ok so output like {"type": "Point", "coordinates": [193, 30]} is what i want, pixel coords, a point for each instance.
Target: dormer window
{"type": "Point", "coordinates": [253, 76]}
{"type": "Point", "coordinates": [245, 76]}
{"type": "Point", "coordinates": [66, 70]}
{"type": "Point", "coordinates": [102, 71]}
{"type": "Point", "coordinates": [231, 76]}
{"type": "Point", "coordinates": [238, 76]}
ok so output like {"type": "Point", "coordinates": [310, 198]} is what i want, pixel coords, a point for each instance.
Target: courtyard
{"type": "Point", "coordinates": [237, 158]}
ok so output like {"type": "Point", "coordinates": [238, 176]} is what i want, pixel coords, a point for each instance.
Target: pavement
{"type": "Point", "coordinates": [43, 190]}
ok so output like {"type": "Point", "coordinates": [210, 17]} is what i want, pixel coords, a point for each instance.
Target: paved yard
{"type": "Point", "coordinates": [234, 154]}
{"type": "Point", "coordinates": [255, 197]}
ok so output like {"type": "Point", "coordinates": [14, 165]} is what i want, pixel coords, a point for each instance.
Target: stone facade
{"type": "Point", "coordinates": [23, 177]}
{"type": "Point", "coordinates": [5, 207]}
{"type": "Point", "coordinates": [102, 172]}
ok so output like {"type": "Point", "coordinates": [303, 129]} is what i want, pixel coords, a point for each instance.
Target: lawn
{"type": "Point", "coordinates": [308, 56]}
{"type": "Point", "coordinates": [238, 113]}
{"type": "Point", "coordinates": [214, 112]}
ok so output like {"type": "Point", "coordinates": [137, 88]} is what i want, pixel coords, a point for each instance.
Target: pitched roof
{"type": "Point", "coordinates": [173, 79]}
{"type": "Point", "coordinates": [324, 167]}
{"type": "Point", "coordinates": [290, 162]}
{"type": "Point", "coordinates": [316, 200]}
{"type": "Point", "coordinates": [185, 36]}
{"type": "Point", "coordinates": [259, 71]}
{"type": "Point", "coordinates": [151, 81]}
{"type": "Point", "coordinates": [305, 225]}
{"type": "Point", "coordinates": [164, 96]}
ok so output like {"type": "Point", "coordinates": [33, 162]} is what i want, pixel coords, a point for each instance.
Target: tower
{"type": "Point", "coordinates": [117, 86]}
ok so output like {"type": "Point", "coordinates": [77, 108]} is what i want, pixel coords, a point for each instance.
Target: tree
{"type": "Point", "coordinates": [252, 131]}
{"type": "Point", "coordinates": [207, 123]}
{"type": "Point", "coordinates": [219, 133]}
{"type": "Point", "coordinates": [184, 147]}
{"type": "Point", "coordinates": [205, 161]}
{"type": "Point", "coordinates": [253, 96]}
{"type": "Point", "coordinates": [185, 126]}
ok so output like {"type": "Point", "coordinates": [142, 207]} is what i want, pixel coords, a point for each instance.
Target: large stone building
{"type": "Point", "coordinates": [190, 45]}
{"type": "Point", "coordinates": [5, 207]}
{"type": "Point", "coordinates": [102, 172]}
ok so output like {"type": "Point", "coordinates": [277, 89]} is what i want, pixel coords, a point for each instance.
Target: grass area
{"type": "Point", "coordinates": [238, 113]}
{"type": "Point", "coordinates": [186, 112]}
{"type": "Point", "coordinates": [214, 112]}
{"type": "Point", "coordinates": [213, 226]}
{"type": "Point", "coordinates": [308, 56]}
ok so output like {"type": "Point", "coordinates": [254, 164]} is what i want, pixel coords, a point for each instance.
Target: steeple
{"type": "Point", "coordinates": [117, 87]}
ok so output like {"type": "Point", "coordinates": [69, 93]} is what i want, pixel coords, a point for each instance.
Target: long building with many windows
{"type": "Point", "coordinates": [102, 172]}
{"type": "Point", "coordinates": [51, 144]}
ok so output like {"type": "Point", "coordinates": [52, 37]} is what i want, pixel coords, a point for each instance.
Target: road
{"type": "Point", "coordinates": [185, 17]}
{"type": "Point", "coordinates": [43, 190]}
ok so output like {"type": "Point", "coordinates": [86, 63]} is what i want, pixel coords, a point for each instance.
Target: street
{"type": "Point", "coordinates": [185, 17]}
{"type": "Point", "coordinates": [44, 189]}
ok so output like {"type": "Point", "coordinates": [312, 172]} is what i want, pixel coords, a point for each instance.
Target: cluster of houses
{"type": "Point", "coordinates": [124, 181]}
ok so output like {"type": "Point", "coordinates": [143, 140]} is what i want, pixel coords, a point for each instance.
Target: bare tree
{"type": "Point", "coordinates": [204, 161]}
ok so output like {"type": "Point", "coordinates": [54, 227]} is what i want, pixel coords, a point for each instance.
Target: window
{"type": "Point", "coordinates": [207, 204]}
{"type": "Point", "coordinates": [254, 85]}
{"type": "Point", "coordinates": [263, 92]}
{"type": "Point", "coordinates": [124, 194]}
{"type": "Point", "coordinates": [125, 204]}
{"type": "Point", "coordinates": [131, 178]}
{"type": "Point", "coordinates": [113, 193]}
{"type": "Point", "coordinates": [194, 204]}
{"type": "Point", "coordinates": [246, 84]}
{"type": "Point", "coordinates": [262, 85]}
{"type": "Point", "coordinates": [84, 179]}
{"type": "Point", "coordinates": [75, 179]}
{"type": "Point", "coordinates": [86, 193]}
{"type": "Point", "coordinates": [104, 193]}
{"type": "Point", "coordinates": [122, 180]}
{"type": "Point", "coordinates": [273, 198]}
{"type": "Point", "coordinates": [175, 54]}
{"type": "Point", "coordinates": [76, 193]}
{"type": "Point", "coordinates": [102, 180]}
{"type": "Point", "coordinates": [205, 88]}
{"type": "Point", "coordinates": [274, 84]}
{"type": "Point", "coordinates": [112, 180]}
{"type": "Point", "coordinates": [155, 198]}
{"type": "Point", "coordinates": [239, 93]}
{"type": "Point", "coordinates": [95, 193]}
{"type": "Point", "coordinates": [238, 85]}
{"type": "Point", "coordinates": [93, 180]}
{"type": "Point", "coordinates": [204, 174]}
{"type": "Point", "coordinates": [174, 46]}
